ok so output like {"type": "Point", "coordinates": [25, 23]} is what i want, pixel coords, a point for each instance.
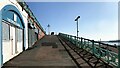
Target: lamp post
{"type": "Point", "coordinates": [77, 24]}
{"type": "Point", "coordinates": [48, 29]}
{"type": "Point", "coordinates": [77, 30]}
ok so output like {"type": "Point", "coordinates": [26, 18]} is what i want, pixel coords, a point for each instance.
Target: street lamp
{"type": "Point", "coordinates": [48, 29]}
{"type": "Point", "coordinates": [77, 29]}
{"type": "Point", "coordinates": [77, 24]}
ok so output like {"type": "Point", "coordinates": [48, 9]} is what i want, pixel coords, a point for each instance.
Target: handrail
{"type": "Point", "coordinates": [101, 50]}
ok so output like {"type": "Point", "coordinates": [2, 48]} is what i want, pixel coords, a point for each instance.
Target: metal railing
{"type": "Point", "coordinates": [107, 53]}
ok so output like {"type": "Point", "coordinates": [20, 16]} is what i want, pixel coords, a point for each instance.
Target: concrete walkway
{"type": "Point", "coordinates": [47, 53]}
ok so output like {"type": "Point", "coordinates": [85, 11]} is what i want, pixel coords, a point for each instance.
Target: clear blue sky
{"type": "Point", "coordinates": [98, 19]}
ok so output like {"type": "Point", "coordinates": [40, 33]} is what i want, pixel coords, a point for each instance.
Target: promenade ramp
{"type": "Point", "coordinates": [47, 52]}
{"type": "Point", "coordinates": [53, 52]}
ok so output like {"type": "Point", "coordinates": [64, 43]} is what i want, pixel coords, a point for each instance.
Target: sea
{"type": "Point", "coordinates": [112, 43]}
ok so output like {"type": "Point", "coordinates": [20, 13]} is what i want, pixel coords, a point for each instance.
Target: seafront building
{"type": "Point", "coordinates": [19, 29]}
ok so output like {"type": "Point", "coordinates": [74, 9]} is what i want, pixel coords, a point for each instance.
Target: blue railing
{"type": "Point", "coordinates": [107, 53]}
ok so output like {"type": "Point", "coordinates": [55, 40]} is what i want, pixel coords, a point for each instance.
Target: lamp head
{"type": "Point", "coordinates": [77, 18]}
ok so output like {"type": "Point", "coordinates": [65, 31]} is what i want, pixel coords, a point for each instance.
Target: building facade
{"type": "Point", "coordinates": [19, 29]}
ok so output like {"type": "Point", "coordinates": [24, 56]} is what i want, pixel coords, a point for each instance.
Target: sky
{"type": "Point", "coordinates": [98, 20]}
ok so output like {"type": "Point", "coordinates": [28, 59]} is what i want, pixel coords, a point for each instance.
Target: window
{"type": "Point", "coordinates": [8, 15]}
{"type": "Point", "coordinates": [5, 31]}
{"type": "Point", "coordinates": [20, 35]}
{"type": "Point", "coordinates": [15, 17]}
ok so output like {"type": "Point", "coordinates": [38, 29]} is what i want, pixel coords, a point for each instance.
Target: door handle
{"type": "Point", "coordinates": [11, 39]}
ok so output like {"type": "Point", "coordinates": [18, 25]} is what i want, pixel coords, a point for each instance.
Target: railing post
{"type": "Point", "coordinates": [107, 54]}
{"type": "Point", "coordinates": [84, 44]}
{"type": "Point", "coordinates": [99, 51]}
{"type": "Point", "coordinates": [69, 37]}
{"type": "Point", "coordinates": [93, 47]}
{"type": "Point", "coordinates": [118, 56]}
{"type": "Point", "coordinates": [75, 41]}
{"type": "Point", "coordinates": [88, 44]}
{"type": "Point", "coordinates": [81, 42]}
